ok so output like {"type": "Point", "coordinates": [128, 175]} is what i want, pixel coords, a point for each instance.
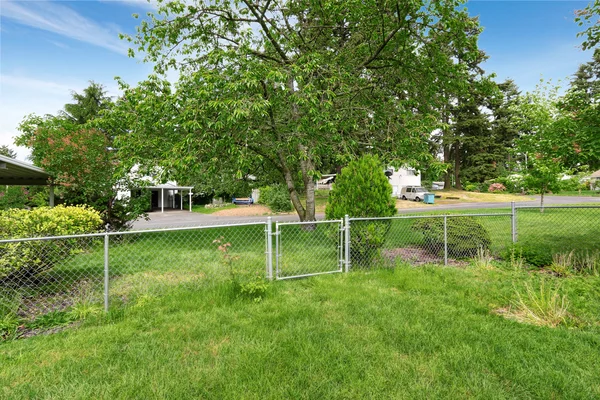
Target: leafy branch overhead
{"type": "Point", "coordinates": [291, 83]}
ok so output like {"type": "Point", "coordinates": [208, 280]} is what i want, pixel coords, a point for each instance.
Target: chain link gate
{"type": "Point", "coordinates": [308, 248]}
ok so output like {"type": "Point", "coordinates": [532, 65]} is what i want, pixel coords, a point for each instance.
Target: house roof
{"type": "Point", "coordinates": [15, 172]}
{"type": "Point", "coordinates": [169, 186]}
{"type": "Point", "coordinates": [596, 174]}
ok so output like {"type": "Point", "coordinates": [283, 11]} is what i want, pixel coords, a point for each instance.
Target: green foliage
{"type": "Point", "coordinates": [314, 84]}
{"type": "Point", "coordinates": [51, 319]}
{"type": "Point", "coordinates": [27, 259]}
{"type": "Point", "coordinates": [81, 156]}
{"type": "Point", "coordinates": [571, 184]}
{"type": "Point", "coordinates": [7, 152]}
{"type": "Point", "coordinates": [543, 307]}
{"type": "Point", "coordinates": [9, 324]}
{"type": "Point", "coordinates": [243, 283]}
{"type": "Point", "coordinates": [466, 236]}
{"type": "Point", "coordinates": [14, 197]}
{"type": "Point", "coordinates": [363, 190]}
{"type": "Point", "coordinates": [276, 197]}
{"type": "Point", "coordinates": [472, 187]}
{"type": "Point", "coordinates": [535, 256]}
{"type": "Point", "coordinates": [389, 328]}
{"type": "Point", "coordinates": [512, 183]}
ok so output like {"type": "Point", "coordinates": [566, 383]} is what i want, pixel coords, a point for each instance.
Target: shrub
{"type": "Point", "coordinates": [569, 185]}
{"type": "Point", "coordinates": [466, 236]}
{"type": "Point", "coordinates": [471, 187]}
{"type": "Point", "coordinates": [532, 255]}
{"type": "Point", "coordinates": [27, 259]}
{"type": "Point", "coordinates": [496, 187]}
{"type": "Point", "coordinates": [363, 190]}
{"type": "Point", "coordinates": [512, 183]}
{"type": "Point", "coordinates": [276, 197]}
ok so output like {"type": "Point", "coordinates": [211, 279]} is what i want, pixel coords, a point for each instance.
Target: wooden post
{"type": "Point", "coordinates": [51, 199]}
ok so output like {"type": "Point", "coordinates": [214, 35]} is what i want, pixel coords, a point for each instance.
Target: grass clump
{"type": "Point", "coordinates": [545, 306]}
{"type": "Point", "coordinates": [483, 259]}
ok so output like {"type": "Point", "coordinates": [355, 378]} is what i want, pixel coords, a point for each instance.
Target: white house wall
{"type": "Point", "coordinates": [404, 177]}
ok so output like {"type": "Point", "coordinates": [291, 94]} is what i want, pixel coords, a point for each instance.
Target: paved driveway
{"type": "Point", "coordinates": [177, 218]}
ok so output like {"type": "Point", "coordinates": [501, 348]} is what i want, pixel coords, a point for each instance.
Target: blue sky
{"type": "Point", "coordinates": [49, 48]}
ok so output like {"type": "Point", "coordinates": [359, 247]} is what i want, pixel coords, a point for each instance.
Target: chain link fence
{"type": "Point", "coordinates": [431, 239]}
{"type": "Point", "coordinates": [42, 275]}
{"type": "Point", "coordinates": [308, 248]}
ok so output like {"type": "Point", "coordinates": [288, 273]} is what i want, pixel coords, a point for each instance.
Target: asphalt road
{"type": "Point", "coordinates": [177, 218]}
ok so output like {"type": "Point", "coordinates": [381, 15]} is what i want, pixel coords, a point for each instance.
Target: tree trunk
{"type": "Point", "coordinates": [457, 184]}
{"type": "Point", "coordinates": [309, 212]}
{"type": "Point", "coordinates": [542, 199]}
{"type": "Point", "coordinates": [306, 165]}
{"type": "Point", "coordinates": [289, 181]}
{"type": "Point", "coordinates": [447, 178]}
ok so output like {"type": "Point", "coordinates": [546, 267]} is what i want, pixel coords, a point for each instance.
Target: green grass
{"type": "Point", "coordinates": [590, 193]}
{"type": "Point", "coordinates": [427, 332]}
{"type": "Point", "coordinates": [204, 210]}
{"type": "Point", "coordinates": [176, 331]}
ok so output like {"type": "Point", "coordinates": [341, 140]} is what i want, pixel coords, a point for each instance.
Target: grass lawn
{"type": "Point", "coordinates": [204, 210]}
{"type": "Point", "coordinates": [427, 332]}
{"type": "Point", "coordinates": [176, 331]}
{"type": "Point", "coordinates": [590, 193]}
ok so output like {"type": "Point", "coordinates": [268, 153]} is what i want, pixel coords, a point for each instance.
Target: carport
{"type": "Point", "coordinates": [169, 190]}
{"type": "Point", "coordinates": [18, 173]}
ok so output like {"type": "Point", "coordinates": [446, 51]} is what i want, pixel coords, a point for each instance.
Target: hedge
{"type": "Point", "coordinates": [20, 260]}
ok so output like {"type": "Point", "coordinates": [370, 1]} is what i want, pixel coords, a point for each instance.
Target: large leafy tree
{"type": "Point", "coordinates": [581, 116]}
{"type": "Point", "coordinates": [541, 129]}
{"type": "Point", "coordinates": [79, 155]}
{"type": "Point", "coordinates": [588, 19]}
{"type": "Point", "coordinates": [290, 83]}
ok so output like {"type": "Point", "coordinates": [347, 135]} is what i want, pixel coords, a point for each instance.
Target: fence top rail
{"type": "Point", "coordinates": [550, 207]}
{"type": "Point", "coordinates": [431, 216]}
{"type": "Point", "coordinates": [102, 234]}
{"type": "Point", "coordinates": [323, 221]}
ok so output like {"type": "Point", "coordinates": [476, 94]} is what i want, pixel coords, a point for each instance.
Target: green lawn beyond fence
{"type": "Point", "coordinates": [146, 262]}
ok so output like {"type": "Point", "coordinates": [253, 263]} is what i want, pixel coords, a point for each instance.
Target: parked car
{"type": "Point", "coordinates": [416, 193]}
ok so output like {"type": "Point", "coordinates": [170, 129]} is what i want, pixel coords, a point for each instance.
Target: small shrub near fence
{"type": "Point", "coordinates": [22, 260]}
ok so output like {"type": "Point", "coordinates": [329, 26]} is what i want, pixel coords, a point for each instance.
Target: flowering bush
{"type": "Point", "coordinates": [496, 187]}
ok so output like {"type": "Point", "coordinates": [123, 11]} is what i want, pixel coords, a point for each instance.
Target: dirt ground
{"type": "Point", "coordinates": [257, 210]}
{"type": "Point", "coordinates": [254, 210]}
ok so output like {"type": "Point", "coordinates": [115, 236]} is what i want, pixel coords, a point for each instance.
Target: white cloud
{"type": "Point", "coordinates": [62, 20]}
{"type": "Point", "coordinates": [135, 3]}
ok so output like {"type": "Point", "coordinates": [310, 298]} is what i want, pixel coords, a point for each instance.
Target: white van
{"type": "Point", "coordinates": [416, 193]}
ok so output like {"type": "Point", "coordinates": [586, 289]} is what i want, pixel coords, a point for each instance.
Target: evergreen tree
{"type": "Point", "coordinates": [7, 151]}
{"type": "Point", "coordinates": [504, 129]}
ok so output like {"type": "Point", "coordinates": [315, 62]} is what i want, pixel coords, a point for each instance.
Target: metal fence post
{"type": "Point", "coordinates": [277, 250]}
{"type": "Point", "coordinates": [269, 249]}
{"type": "Point", "coordinates": [347, 242]}
{"type": "Point", "coordinates": [106, 238]}
{"type": "Point", "coordinates": [513, 211]}
{"type": "Point", "coordinates": [445, 240]}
